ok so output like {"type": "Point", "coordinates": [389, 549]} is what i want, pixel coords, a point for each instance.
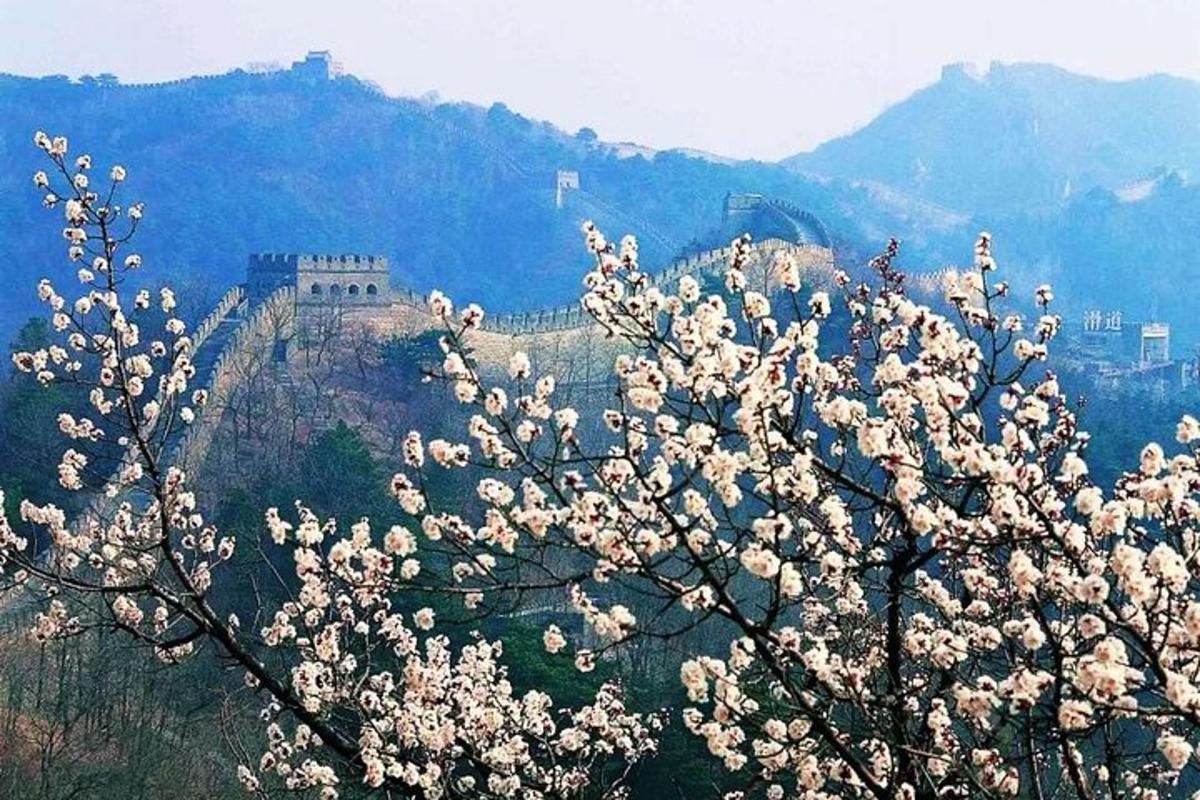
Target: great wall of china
{"type": "Point", "coordinates": [252, 326]}
{"type": "Point", "coordinates": [255, 325]}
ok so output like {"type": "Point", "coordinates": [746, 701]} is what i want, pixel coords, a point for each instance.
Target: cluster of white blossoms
{"type": "Point", "coordinates": [431, 722]}
{"type": "Point", "coordinates": [899, 578]}
{"type": "Point", "coordinates": [913, 587]}
{"type": "Point", "coordinates": [362, 692]}
{"type": "Point", "coordinates": [137, 383]}
{"type": "Point", "coordinates": [137, 394]}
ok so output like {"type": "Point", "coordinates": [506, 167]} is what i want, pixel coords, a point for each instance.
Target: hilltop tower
{"type": "Point", "coordinates": [1154, 343]}
{"type": "Point", "coordinates": [347, 280]}
{"type": "Point", "coordinates": [740, 206]}
{"type": "Point", "coordinates": [318, 65]}
{"type": "Point", "coordinates": [747, 212]}
{"type": "Point", "coordinates": [564, 181]}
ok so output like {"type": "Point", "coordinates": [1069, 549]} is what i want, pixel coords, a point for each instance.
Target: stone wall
{"type": "Point", "coordinates": [710, 262]}
{"type": "Point", "coordinates": [566, 340]}
{"type": "Point", "coordinates": [267, 272]}
{"type": "Point", "coordinates": [360, 286]}
{"type": "Point", "coordinates": [562, 341]}
{"type": "Point", "coordinates": [254, 342]}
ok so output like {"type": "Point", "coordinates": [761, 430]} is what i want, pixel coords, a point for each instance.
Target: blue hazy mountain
{"type": "Point", "coordinates": [1132, 249]}
{"type": "Point", "coordinates": [1019, 136]}
{"type": "Point", "coordinates": [1082, 182]}
{"type": "Point", "coordinates": [457, 196]}
{"type": "Point", "coordinates": [1087, 183]}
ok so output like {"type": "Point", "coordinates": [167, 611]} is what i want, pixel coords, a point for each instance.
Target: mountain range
{"type": "Point", "coordinates": [1076, 177]}
{"type": "Point", "coordinates": [1019, 137]}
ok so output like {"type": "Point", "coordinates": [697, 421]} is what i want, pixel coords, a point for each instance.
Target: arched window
{"type": "Point", "coordinates": [316, 289]}
{"type": "Point", "coordinates": [352, 288]}
{"type": "Point", "coordinates": [372, 289]}
{"type": "Point", "coordinates": [335, 290]}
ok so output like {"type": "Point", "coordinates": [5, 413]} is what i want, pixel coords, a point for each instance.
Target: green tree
{"type": "Point", "coordinates": [340, 477]}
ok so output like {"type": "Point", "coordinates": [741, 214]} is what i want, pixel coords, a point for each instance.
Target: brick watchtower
{"type": "Point", "coordinates": [348, 280]}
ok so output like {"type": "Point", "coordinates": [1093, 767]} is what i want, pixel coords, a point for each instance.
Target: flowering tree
{"type": "Point", "coordinates": [904, 582]}
{"type": "Point", "coordinates": [912, 586]}
{"type": "Point", "coordinates": [352, 685]}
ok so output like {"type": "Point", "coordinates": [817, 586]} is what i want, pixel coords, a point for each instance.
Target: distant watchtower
{"type": "Point", "coordinates": [740, 205]}
{"type": "Point", "coordinates": [746, 212]}
{"type": "Point", "coordinates": [318, 65]}
{"type": "Point", "coordinates": [564, 181]}
{"type": "Point", "coordinates": [1155, 344]}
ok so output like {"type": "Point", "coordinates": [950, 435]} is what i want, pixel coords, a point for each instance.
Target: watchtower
{"type": "Point", "coordinates": [318, 65]}
{"type": "Point", "coordinates": [1155, 344]}
{"type": "Point", "coordinates": [348, 280]}
{"type": "Point", "coordinates": [740, 205]}
{"type": "Point", "coordinates": [564, 181]}
{"type": "Point", "coordinates": [267, 272]}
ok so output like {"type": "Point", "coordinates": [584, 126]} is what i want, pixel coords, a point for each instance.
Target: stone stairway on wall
{"type": "Point", "coordinates": [205, 362]}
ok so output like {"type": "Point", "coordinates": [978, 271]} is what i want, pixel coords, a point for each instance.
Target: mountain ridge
{"type": "Point", "coordinates": [462, 197]}
{"type": "Point", "coordinates": [458, 196]}
{"type": "Point", "coordinates": [1018, 135]}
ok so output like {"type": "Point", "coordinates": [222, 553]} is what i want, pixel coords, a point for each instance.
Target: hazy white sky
{"type": "Point", "coordinates": [753, 78]}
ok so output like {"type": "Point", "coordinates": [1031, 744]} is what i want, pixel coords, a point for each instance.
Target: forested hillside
{"type": "Point", "coordinates": [457, 196]}
{"type": "Point", "coordinates": [462, 197]}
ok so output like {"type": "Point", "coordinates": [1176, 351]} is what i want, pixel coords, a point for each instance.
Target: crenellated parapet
{"type": "Point", "coordinates": [322, 280]}
{"type": "Point", "coordinates": [221, 311]}
{"type": "Point", "coordinates": [808, 227]}
{"type": "Point", "coordinates": [800, 225]}
{"type": "Point", "coordinates": [339, 263]}
{"type": "Point", "coordinates": [249, 328]}
{"type": "Point", "coordinates": [360, 284]}
{"type": "Point", "coordinates": [267, 272]}
{"type": "Point", "coordinates": [332, 289]}
{"type": "Point", "coordinates": [316, 66]}
{"type": "Point", "coordinates": [345, 279]}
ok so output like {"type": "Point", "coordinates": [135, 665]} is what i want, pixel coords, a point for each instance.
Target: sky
{"type": "Point", "coordinates": [751, 79]}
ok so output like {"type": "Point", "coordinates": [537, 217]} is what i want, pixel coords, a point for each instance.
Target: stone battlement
{"type": "Point", "coordinates": [347, 263]}
{"type": "Point", "coordinates": [320, 278]}
{"type": "Point", "coordinates": [317, 261]}
{"type": "Point", "coordinates": [273, 258]}
{"type": "Point", "coordinates": [741, 204]}
{"type": "Point", "coordinates": [316, 66]}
